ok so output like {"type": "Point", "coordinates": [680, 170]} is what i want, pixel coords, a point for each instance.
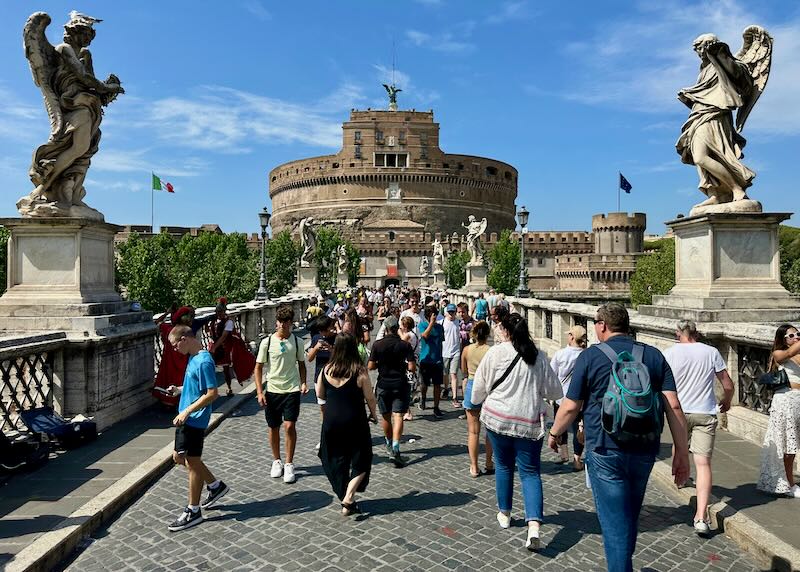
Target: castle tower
{"type": "Point", "coordinates": [619, 233]}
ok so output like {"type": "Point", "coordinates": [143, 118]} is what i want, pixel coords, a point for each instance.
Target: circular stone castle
{"type": "Point", "coordinates": [391, 176]}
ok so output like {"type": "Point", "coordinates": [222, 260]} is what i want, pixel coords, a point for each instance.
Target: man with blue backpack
{"type": "Point", "coordinates": [623, 388]}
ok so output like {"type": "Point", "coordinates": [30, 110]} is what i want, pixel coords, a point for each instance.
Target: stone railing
{"type": "Point", "coordinates": [744, 346]}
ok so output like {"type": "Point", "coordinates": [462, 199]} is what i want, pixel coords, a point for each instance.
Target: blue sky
{"type": "Point", "coordinates": [570, 93]}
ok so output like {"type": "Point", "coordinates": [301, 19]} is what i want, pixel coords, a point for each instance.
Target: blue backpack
{"type": "Point", "coordinates": [632, 411]}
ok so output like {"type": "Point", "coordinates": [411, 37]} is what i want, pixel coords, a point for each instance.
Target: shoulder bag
{"type": "Point", "coordinates": [775, 378]}
{"type": "Point", "coordinates": [507, 372]}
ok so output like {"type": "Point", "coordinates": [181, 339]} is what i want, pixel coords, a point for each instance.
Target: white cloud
{"type": "Point", "coordinates": [139, 161]}
{"type": "Point", "coordinates": [132, 186]}
{"type": "Point", "coordinates": [418, 38]}
{"type": "Point", "coordinates": [509, 11]}
{"type": "Point", "coordinates": [455, 40]}
{"type": "Point", "coordinates": [640, 63]}
{"type": "Point", "coordinates": [257, 9]}
{"type": "Point", "coordinates": [422, 96]}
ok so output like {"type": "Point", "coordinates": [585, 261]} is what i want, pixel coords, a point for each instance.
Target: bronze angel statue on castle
{"type": "Point", "coordinates": [74, 99]}
{"type": "Point", "coordinates": [711, 139]}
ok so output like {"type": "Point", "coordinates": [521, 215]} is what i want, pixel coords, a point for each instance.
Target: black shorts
{"type": "Point", "coordinates": [431, 373]}
{"type": "Point", "coordinates": [282, 407]}
{"type": "Point", "coordinates": [189, 440]}
{"type": "Point", "coordinates": [394, 400]}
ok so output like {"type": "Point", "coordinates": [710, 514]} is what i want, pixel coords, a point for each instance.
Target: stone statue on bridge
{"type": "Point", "coordinates": [438, 257]}
{"type": "Point", "coordinates": [342, 264]}
{"type": "Point", "coordinates": [424, 266]}
{"type": "Point", "coordinates": [74, 99]}
{"type": "Point", "coordinates": [308, 242]}
{"type": "Point", "coordinates": [711, 139]}
{"type": "Point", "coordinates": [475, 228]}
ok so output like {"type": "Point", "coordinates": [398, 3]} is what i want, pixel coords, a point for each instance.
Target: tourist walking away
{"type": "Point", "coordinates": [695, 367]}
{"type": "Point", "coordinates": [783, 430]}
{"type": "Point", "coordinates": [319, 351]}
{"type": "Point", "coordinates": [197, 394]}
{"type": "Point", "coordinates": [431, 368]}
{"type": "Point", "coordinates": [345, 441]}
{"type": "Point", "coordinates": [471, 357]}
{"type": "Point", "coordinates": [451, 350]}
{"type": "Point", "coordinates": [408, 333]}
{"type": "Point", "coordinates": [563, 363]}
{"type": "Point", "coordinates": [281, 355]}
{"type": "Point", "coordinates": [622, 442]}
{"type": "Point", "coordinates": [392, 357]}
{"type": "Point", "coordinates": [480, 308]}
{"type": "Point", "coordinates": [512, 381]}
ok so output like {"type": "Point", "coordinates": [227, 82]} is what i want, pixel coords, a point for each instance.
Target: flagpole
{"type": "Point", "coordinates": [619, 179]}
{"type": "Point", "coordinates": [152, 201]}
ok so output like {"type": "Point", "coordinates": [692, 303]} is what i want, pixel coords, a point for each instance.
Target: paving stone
{"type": "Point", "coordinates": [428, 516]}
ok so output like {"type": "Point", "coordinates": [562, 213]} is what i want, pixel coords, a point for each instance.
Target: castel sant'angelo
{"type": "Point", "coordinates": [391, 190]}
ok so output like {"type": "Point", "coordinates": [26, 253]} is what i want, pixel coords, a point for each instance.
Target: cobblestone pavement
{"type": "Point", "coordinates": [427, 516]}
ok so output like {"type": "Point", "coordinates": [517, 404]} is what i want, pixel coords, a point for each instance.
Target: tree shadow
{"type": "Point", "coordinates": [429, 453]}
{"type": "Point", "coordinates": [296, 502]}
{"type": "Point", "coordinates": [413, 501]}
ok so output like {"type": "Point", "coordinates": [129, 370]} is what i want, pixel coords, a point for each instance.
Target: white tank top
{"type": "Point", "coordinates": [792, 371]}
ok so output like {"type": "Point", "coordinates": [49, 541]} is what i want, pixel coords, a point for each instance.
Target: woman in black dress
{"type": "Point", "coordinates": [345, 442]}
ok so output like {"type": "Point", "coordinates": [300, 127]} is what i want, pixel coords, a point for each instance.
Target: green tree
{"type": "Point", "coordinates": [144, 271]}
{"type": "Point", "coordinates": [503, 260]}
{"type": "Point", "coordinates": [789, 241]}
{"type": "Point", "coordinates": [353, 263]}
{"type": "Point", "coordinates": [4, 235]}
{"type": "Point", "coordinates": [655, 274]}
{"type": "Point", "coordinates": [326, 257]}
{"type": "Point", "coordinates": [455, 269]}
{"type": "Point", "coordinates": [282, 256]}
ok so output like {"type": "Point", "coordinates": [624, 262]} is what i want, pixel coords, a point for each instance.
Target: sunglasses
{"type": "Point", "coordinates": [792, 336]}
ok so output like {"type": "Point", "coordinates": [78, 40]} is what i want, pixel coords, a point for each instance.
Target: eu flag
{"type": "Point", "coordinates": [624, 184]}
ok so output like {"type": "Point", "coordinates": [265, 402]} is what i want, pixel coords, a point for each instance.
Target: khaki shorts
{"type": "Point", "coordinates": [702, 429]}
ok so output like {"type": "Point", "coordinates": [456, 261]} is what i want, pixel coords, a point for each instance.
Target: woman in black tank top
{"type": "Point", "coordinates": [345, 441]}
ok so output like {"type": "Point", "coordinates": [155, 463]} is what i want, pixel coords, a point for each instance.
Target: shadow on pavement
{"type": "Point", "coordinates": [422, 455]}
{"type": "Point", "coordinates": [296, 502]}
{"type": "Point", "coordinates": [414, 501]}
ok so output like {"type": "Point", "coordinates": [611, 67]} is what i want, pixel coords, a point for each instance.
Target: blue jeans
{"type": "Point", "coordinates": [526, 455]}
{"type": "Point", "coordinates": [619, 480]}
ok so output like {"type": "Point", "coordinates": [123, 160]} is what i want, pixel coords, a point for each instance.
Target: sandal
{"type": "Point", "coordinates": [488, 470]}
{"type": "Point", "coordinates": [350, 508]}
{"type": "Point", "coordinates": [475, 475]}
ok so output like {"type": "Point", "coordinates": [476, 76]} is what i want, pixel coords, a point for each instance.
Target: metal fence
{"type": "Point", "coordinates": [548, 324]}
{"type": "Point", "coordinates": [752, 364]}
{"type": "Point", "coordinates": [27, 383]}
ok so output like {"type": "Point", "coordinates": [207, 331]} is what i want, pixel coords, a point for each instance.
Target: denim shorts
{"type": "Point", "coordinates": [467, 403]}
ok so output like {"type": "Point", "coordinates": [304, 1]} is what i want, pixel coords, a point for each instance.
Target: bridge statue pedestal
{"type": "Point", "coordinates": [476, 278]}
{"type": "Point", "coordinates": [306, 279]}
{"type": "Point", "coordinates": [727, 269]}
{"type": "Point", "coordinates": [61, 279]}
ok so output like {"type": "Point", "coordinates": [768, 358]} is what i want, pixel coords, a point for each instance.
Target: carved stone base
{"type": "Point", "coordinates": [744, 206]}
{"type": "Point", "coordinates": [476, 279]}
{"type": "Point", "coordinates": [306, 278]}
{"type": "Point", "coordinates": [727, 270]}
{"type": "Point", "coordinates": [439, 279]}
{"type": "Point", "coordinates": [32, 208]}
{"type": "Point", "coordinates": [341, 280]}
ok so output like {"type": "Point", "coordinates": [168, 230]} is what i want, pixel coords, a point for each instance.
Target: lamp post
{"type": "Point", "coordinates": [522, 217]}
{"type": "Point", "coordinates": [263, 220]}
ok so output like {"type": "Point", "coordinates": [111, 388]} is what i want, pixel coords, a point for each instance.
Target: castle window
{"type": "Point", "coordinates": [273, 179]}
{"type": "Point", "coordinates": [540, 261]}
{"type": "Point", "coordinates": [402, 137]}
{"type": "Point", "coordinates": [358, 151]}
{"type": "Point", "coordinates": [391, 159]}
{"type": "Point", "coordinates": [423, 138]}
{"type": "Point", "coordinates": [428, 165]}
{"type": "Point", "coordinates": [380, 160]}
{"type": "Point", "coordinates": [491, 171]}
{"type": "Point", "coordinates": [461, 166]}
{"type": "Point", "coordinates": [335, 165]}
{"type": "Point", "coordinates": [508, 175]}
{"type": "Point", "coordinates": [475, 167]}
{"type": "Point", "coordinates": [391, 235]}
{"type": "Point", "coordinates": [357, 136]}
{"type": "Point", "coordinates": [423, 153]}
{"type": "Point", "coordinates": [379, 136]}
{"type": "Point", "coordinates": [445, 165]}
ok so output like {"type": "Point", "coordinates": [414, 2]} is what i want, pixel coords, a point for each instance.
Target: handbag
{"type": "Point", "coordinates": [507, 372]}
{"type": "Point", "coordinates": [774, 379]}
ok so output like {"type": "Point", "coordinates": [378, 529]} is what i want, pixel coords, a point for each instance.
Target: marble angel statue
{"type": "Point", "coordinates": [438, 257]}
{"type": "Point", "coordinates": [711, 138]}
{"type": "Point", "coordinates": [424, 266]}
{"type": "Point", "coordinates": [308, 242]}
{"type": "Point", "coordinates": [74, 99]}
{"type": "Point", "coordinates": [475, 228]}
{"type": "Point", "coordinates": [342, 263]}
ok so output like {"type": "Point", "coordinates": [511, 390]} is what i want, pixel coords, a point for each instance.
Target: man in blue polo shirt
{"type": "Point", "coordinates": [618, 471]}
{"type": "Point", "coordinates": [431, 367]}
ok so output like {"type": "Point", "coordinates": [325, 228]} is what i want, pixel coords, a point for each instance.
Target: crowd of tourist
{"type": "Point", "coordinates": [612, 396]}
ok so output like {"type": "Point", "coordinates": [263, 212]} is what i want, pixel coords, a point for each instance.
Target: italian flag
{"type": "Point", "coordinates": [159, 185]}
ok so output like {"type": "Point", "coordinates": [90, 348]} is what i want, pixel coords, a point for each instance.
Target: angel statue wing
{"type": "Point", "coordinates": [44, 61]}
{"type": "Point", "coordinates": [482, 228]}
{"type": "Point", "coordinates": [756, 53]}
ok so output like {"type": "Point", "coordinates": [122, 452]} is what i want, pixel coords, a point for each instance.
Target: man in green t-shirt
{"type": "Point", "coordinates": [282, 352]}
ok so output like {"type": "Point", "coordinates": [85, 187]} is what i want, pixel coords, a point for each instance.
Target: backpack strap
{"type": "Point", "coordinates": [638, 352]}
{"type": "Point", "coordinates": [606, 349]}
{"type": "Point", "coordinates": [507, 372]}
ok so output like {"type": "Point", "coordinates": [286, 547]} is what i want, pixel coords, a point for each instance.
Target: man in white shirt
{"type": "Point", "coordinates": [414, 310]}
{"type": "Point", "coordinates": [695, 366]}
{"type": "Point", "coordinates": [451, 349]}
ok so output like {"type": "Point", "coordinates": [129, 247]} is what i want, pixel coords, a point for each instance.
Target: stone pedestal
{"type": "Point", "coordinates": [307, 278]}
{"type": "Point", "coordinates": [61, 277]}
{"type": "Point", "coordinates": [341, 280]}
{"type": "Point", "coordinates": [476, 278]}
{"type": "Point", "coordinates": [439, 279]}
{"type": "Point", "coordinates": [727, 270]}
{"type": "Point", "coordinates": [424, 281]}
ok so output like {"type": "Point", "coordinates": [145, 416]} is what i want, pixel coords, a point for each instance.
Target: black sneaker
{"type": "Point", "coordinates": [389, 450]}
{"type": "Point", "coordinates": [399, 462]}
{"type": "Point", "coordinates": [437, 413]}
{"type": "Point", "coordinates": [421, 405]}
{"type": "Point", "coordinates": [445, 394]}
{"type": "Point", "coordinates": [214, 495]}
{"type": "Point", "coordinates": [187, 519]}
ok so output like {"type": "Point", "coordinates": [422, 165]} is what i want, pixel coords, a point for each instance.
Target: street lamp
{"type": "Point", "coordinates": [522, 217]}
{"type": "Point", "coordinates": [263, 220]}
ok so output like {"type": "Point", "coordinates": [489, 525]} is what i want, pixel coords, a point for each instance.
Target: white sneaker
{"type": "Point", "coordinates": [504, 520]}
{"type": "Point", "coordinates": [288, 473]}
{"type": "Point", "coordinates": [533, 543]}
{"type": "Point", "coordinates": [795, 492]}
{"type": "Point", "coordinates": [316, 447]}
{"type": "Point", "coordinates": [277, 469]}
{"type": "Point", "coordinates": [701, 528]}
